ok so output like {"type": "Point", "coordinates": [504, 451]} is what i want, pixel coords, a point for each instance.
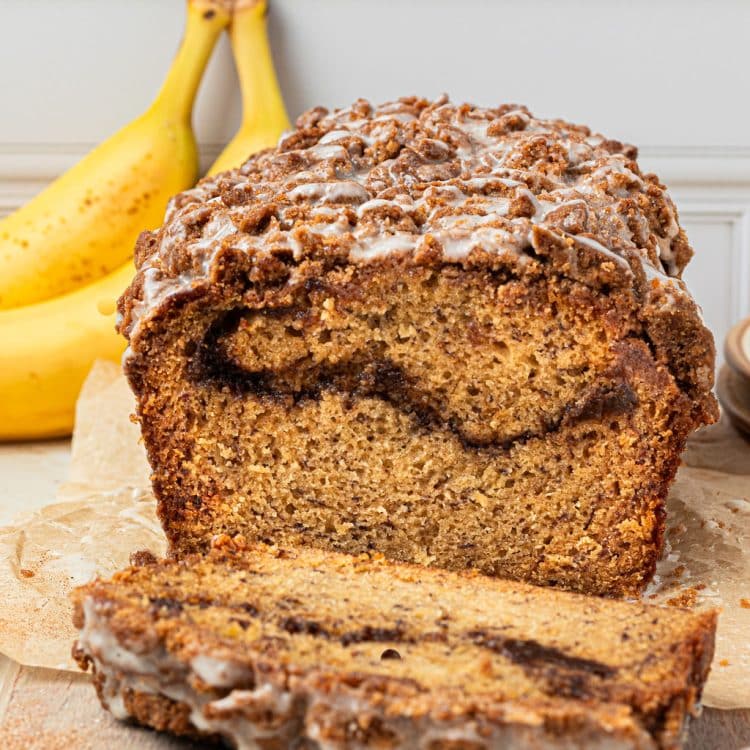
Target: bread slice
{"type": "Point", "coordinates": [453, 335]}
{"type": "Point", "coordinates": [312, 649]}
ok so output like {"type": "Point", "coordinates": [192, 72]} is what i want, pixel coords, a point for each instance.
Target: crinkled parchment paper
{"type": "Point", "coordinates": [106, 511]}
{"type": "Point", "coordinates": [102, 514]}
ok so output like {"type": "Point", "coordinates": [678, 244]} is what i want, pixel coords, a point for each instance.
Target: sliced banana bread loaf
{"type": "Point", "coordinates": [453, 335]}
{"type": "Point", "coordinates": [299, 648]}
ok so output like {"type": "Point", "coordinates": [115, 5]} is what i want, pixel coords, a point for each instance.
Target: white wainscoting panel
{"type": "Point", "coordinates": [717, 275]}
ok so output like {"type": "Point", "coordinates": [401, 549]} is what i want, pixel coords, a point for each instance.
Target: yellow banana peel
{"type": "Point", "coordinates": [46, 352]}
{"type": "Point", "coordinates": [264, 117]}
{"type": "Point", "coordinates": [85, 223]}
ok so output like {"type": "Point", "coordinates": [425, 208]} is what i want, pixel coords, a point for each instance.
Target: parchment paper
{"type": "Point", "coordinates": [106, 511]}
{"type": "Point", "coordinates": [103, 512]}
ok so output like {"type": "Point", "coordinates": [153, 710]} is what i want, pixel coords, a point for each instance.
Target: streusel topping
{"type": "Point", "coordinates": [457, 183]}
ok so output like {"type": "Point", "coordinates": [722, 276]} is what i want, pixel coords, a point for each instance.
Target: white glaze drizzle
{"type": "Point", "coordinates": [329, 192]}
{"type": "Point", "coordinates": [234, 715]}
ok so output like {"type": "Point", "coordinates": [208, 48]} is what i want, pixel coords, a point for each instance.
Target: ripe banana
{"type": "Point", "coordinates": [46, 351]}
{"type": "Point", "coordinates": [85, 224]}
{"type": "Point", "coordinates": [93, 213]}
{"type": "Point", "coordinates": [264, 118]}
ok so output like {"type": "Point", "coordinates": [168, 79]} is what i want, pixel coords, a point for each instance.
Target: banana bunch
{"type": "Point", "coordinates": [66, 256]}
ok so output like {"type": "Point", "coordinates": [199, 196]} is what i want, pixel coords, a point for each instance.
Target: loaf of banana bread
{"type": "Point", "coordinates": [274, 648]}
{"type": "Point", "coordinates": [454, 335]}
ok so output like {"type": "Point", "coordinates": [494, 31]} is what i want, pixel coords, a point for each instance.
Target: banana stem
{"type": "Point", "coordinates": [206, 19]}
{"type": "Point", "coordinates": [261, 97]}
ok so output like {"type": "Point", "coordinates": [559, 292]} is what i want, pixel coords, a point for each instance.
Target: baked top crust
{"type": "Point", "coordinates": [439, 183]}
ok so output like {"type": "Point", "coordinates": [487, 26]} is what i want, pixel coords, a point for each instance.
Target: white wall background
{"type": "Point", "coordinates": [668, 75]}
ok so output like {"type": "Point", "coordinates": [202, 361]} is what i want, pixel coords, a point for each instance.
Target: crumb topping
{"type": "Point", "coordinates": [441, 182]}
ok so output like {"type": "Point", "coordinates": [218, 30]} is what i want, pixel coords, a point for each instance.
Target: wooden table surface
{"type": "Point", "coordinates": [43, 709]}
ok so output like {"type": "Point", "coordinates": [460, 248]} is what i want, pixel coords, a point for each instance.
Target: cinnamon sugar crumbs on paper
{"type": "Point", "coordinates": [686, 598]}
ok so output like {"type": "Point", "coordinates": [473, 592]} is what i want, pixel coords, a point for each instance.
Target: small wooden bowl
{"type": "Point", "coordinates": [737, 349]}
{"type": "Point", "coordinates": [733, 390]}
